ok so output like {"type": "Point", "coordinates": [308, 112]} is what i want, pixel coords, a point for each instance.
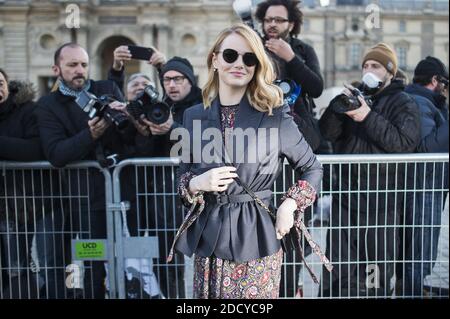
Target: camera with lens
{"type": "Point", "coordinates": [147, 104]}
{"type": "Point", "coordinates": [343, 103]}
{"type": "Point", "coordinates": [291, 90]}
{"type": "Point", "coordinates": [99, 106]}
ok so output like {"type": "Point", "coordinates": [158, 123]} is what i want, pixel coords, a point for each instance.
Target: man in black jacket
{"type": "Point", "coordinates": [25, 202]}
{"type": "Point", "coordinates": [362, 239]}
{"type": "Point", "coordinates": [180, 92]}
{"type": "Point", "coordinates": [295, 60]}
{"type": "Point", "coordinates": [68, 134]}
{"type": "Point", "coordinates": [19, 141]}
{"type": "Point", "coordinates": [423, 216]}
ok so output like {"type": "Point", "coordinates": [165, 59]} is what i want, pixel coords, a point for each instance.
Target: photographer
{"type": "Point", "coordinates": [296, 60]}
{"type": "Point", "coordinates": [68, 134]}
{"type": "Point", "coordinates": [180, 92]}
{"type": "Point", "coordinates": [121, 54]}
{"type": "Point", "coordinates": [362, 220]}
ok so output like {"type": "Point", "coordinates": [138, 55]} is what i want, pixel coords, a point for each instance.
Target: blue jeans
{"type": "Point", "coordinates": [421, 240]}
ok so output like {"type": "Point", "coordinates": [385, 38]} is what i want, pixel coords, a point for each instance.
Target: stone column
{"type": "Point", "coordinates": [15, 41]}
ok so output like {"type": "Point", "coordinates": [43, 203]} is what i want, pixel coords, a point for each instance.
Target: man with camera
{"type": "Point", "coordinates": [281, 21]}
{"type": "Point", "coordinates": [77, 122]}
{"type": "Point", "coordinates": [423, 216]}
{"type": "Point", "coordinates": [180, 92]}
{"type": "Point", "coordinates": [297, 61]}
{"type": "Point", "coordinates": [383, 119]}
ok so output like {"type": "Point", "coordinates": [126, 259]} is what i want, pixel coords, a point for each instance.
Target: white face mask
{"type": "Point", "coordinates": [371, 83]}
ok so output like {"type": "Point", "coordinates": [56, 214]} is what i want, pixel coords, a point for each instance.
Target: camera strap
{"type": "Point", "coordinates": [106, 161]}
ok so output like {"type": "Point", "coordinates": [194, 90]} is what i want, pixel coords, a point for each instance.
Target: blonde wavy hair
{"type": "Point", "coordinates": [262, 94]}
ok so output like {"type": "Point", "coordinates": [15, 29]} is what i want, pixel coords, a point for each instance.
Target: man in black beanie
{"type": "Point", "coordinates": [181, 91]}
{"type": "Point", "coordinates": [164, 212]}
{"type": "Point", "coordinates": [423, 215]}
{"type": "Point", "coordinates": [160, 214]}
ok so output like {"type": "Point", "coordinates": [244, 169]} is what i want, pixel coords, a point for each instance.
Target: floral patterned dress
{"type": "Point", "coordinates": [218, 278]}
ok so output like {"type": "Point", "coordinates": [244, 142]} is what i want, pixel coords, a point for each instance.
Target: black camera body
{"type": "Point", "coordinates": [343, 103]}
{"type": "Point", "coordinates": [99, 106]}
{"type": "Point", "coordinates": [147, 104]}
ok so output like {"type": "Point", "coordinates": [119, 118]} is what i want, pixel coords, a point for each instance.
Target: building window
{"type": "Point", "coordinates": [402, 26]}
{"type": "Point", "coordinates": [350, 2]}
{"type": "Point", "coordinates": [306, 25]}
{"type": "Point", "coordinates": [355, 55]}
{"type": "Point", "coordinates": [402, 57]}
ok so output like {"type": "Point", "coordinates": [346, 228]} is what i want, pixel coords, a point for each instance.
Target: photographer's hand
{"type": "Point", "coordinates": [140, 126]}
{"type": "Point", "coordinates": [97, 127]}
{"type": "Point", "coordinates": [161, 128]}
{"type": "Point", "coordinates": [121, 54]}
{"type": "Point", "coordinates": [119, 106]}
{"type": "Point", "coordinates": [281, 48]}
{"type": "Point", "coordinates": [360, 113]}
{"type": "Point", "coordinates": [158, 59]}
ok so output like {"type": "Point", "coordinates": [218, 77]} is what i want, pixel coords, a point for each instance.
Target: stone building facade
{"type": "Point", "coordinates": [31, 30]}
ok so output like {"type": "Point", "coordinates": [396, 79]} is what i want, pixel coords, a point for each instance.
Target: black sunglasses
{"type": "Point", "coordinates": [230, 56]}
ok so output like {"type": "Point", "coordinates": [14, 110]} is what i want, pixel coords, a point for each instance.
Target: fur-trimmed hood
{"type": "Point", "coordinates": [21, 92]}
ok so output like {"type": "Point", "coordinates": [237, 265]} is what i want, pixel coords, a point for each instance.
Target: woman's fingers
{"type": "Point", "coordinates": [226, 181]}
{"type": "Point", "coordinates": [281, 232]}
{"type": "Point", "coordinates": [224, 169]}
{"type": "Point", "coordinates": [227, 175]}
{"type": "Point", "coordinates": [221, 188]}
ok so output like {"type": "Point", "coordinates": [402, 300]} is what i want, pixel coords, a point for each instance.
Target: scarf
{"type": "Point", "coordinates": [67, 91]}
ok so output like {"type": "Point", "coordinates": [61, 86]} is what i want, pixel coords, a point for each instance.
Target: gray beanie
{"type": "Point", "coordinates": [181, 65]}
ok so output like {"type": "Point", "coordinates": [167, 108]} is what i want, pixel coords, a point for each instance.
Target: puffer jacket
{"type": "Point", "coordinates": [20, 190]}
{"type": "Point", "coordinates": [392, 126]}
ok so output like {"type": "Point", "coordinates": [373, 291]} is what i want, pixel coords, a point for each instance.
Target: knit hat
{"type": "Point", "coordinates": [383, 54]}
{"type": "Point", "coordinates": [181, 65]}
{"type": "Point", "coordinates": [431, 66]}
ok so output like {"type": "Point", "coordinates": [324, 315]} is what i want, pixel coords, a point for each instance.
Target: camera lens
{"type": "Point", "coordinates": [158, 113]}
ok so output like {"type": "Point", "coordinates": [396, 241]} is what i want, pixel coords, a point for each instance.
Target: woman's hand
{"type": "Point", "coordinates": [285, 217]}
{"type": "Point", "coordinates": [213, 180]}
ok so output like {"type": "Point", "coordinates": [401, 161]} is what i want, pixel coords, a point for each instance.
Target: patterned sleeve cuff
{"type": "Point", "coordinates": [303, 194]}
{"type": "Point", "coordinates": [183, 190]}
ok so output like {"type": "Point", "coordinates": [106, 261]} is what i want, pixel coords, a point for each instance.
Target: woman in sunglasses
{"type": "Point", "coordinates": [236, 245]}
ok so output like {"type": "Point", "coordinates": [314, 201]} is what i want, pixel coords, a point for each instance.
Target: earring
{"type": "Point", "coordinates": [215, 69]}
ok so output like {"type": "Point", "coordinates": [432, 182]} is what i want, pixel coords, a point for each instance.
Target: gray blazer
{"type": "Point", "coordinates": [232, 226]}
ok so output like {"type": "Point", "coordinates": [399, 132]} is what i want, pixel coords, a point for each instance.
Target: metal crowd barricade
{"type": "Point", "coordinates": [380, 218]}
{"type": "Point", "coordinates": [387, 185]}
{"type": "Point", "coordinates": [383, 226]}
{"type": "Point", "coordinates": [152, 213]}
{"type": "Point", "coordinates": [47, 224]}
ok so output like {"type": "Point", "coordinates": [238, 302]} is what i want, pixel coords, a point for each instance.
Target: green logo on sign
{"type": "Point", "coordinates": [89, 249]}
